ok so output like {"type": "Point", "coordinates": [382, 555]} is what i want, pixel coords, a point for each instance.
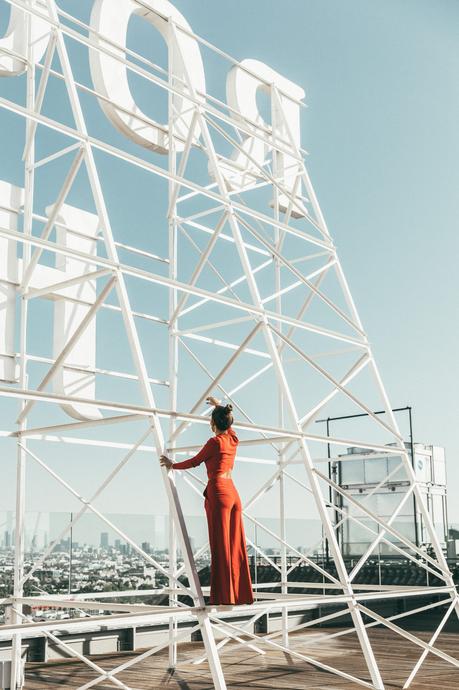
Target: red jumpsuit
{"type": "Point", "coordinates": [230, 581]}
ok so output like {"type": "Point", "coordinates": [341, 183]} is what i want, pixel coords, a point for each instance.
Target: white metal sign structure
{"type": "Point", "coordinates": [260, 285]}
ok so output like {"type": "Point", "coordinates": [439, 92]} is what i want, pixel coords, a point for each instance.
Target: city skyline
{"type": "Point", "coordinates": [153, 529]}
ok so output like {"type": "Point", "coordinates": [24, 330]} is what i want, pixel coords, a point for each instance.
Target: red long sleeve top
{"type": "Point", "coordinates": [218, 453]}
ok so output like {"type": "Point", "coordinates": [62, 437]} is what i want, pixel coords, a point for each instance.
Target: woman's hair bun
{"type": "Point", "coordinates": [222, 416]}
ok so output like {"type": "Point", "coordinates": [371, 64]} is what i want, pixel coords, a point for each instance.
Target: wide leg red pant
{"type": "Point", "coordinates": [230, 581]}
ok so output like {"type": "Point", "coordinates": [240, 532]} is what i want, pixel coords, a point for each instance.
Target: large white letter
{"type": "Point", "coordinates": [13, 46]}
{"type": "Point", "coordinates": [69, 314]}
{"type": "Point", "coordinates": [70, 303]}
{"type": "Point", "coordinates": [11, 199]}
{"type": "Point", "coordinates": [110, 75]}
{"type": "Point", "coordinates": [241, 92]}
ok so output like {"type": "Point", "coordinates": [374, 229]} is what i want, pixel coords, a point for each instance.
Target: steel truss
{"type": "Point", "coordinates": [293, 246]}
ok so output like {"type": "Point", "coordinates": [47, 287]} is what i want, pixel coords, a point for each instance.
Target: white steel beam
{"type": "Point", "coordinates": [68, 182]}
{"type": "Point", "coordinates": [56, 287]}
{"type": "Point", "coordinates": [167, 282]}
{"type": "Point", "coordinates": [160, 172]}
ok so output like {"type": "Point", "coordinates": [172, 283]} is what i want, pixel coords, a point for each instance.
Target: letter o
{"type": "Point", "coordinates": [110, 77]}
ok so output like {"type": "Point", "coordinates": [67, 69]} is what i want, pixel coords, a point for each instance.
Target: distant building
{"type": "Point", "coordinates": [146, 546]}
{"type": "Point", "coordinates": [7, 540]}
{"type": "Point", "coordinates": [362, 472]}
{"type": "Point", "coordinates": [104, 540]}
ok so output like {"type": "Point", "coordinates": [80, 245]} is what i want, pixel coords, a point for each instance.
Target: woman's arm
{"type": "Point", "coordinates": [203, 455]}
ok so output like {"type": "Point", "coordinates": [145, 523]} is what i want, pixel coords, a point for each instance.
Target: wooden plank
{"type": "Point", "coordinates": [246, 670]}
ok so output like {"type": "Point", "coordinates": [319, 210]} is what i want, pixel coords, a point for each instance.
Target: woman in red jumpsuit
{"type": "Point", "coordinates": [230, 581]}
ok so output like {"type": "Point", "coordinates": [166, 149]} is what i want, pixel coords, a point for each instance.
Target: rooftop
{"type": "Point", "coordinates": [245, 669]}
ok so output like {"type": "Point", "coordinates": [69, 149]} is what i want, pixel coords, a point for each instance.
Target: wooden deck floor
{"type": "Point", "coordinates": [248, 670]}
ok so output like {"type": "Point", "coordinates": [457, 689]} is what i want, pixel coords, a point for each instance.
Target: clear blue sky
{"type": "Point", "coordinates": [381, 82]}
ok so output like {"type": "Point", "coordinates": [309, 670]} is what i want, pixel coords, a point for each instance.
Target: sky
{"type": "Point", "coordinates": [383, 143]}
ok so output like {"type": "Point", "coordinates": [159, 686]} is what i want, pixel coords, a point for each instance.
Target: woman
{"type": "Point", "coordinates": [230, 581]}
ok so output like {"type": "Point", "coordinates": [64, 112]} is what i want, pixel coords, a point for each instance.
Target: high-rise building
{"type": "Point", "coordinates": [104, 540]}
{"type": "Point", "coordinates": [7, 539]}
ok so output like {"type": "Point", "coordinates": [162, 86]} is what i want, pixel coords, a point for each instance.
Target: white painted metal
{"type": "Point", "coordinates": [16, 651]}
{"type": "Point", "coordinates": [265, 156]}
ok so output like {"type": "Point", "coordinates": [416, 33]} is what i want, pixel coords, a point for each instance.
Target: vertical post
{"type": "Point", "coordinates": [172, 344]}
{"type": "Point", "coordinates": [29, 177]}
{"type": "Point", "coordinates": [415, 507]}
{"type": "Point", "coordinates": [275, 118]}
{"type": "Point", "coordinates": [70, 552]}
{"type": "Point", "coordinates": [255, 556]}
{"type": "Point", "coordinates": [340, 505]}
{"type": "Point", "coordinates": [284, 574]}
{"type": "Point", "coordinates": [330, 494]}
{"type": "Point", "coordinates": [19, 531]}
